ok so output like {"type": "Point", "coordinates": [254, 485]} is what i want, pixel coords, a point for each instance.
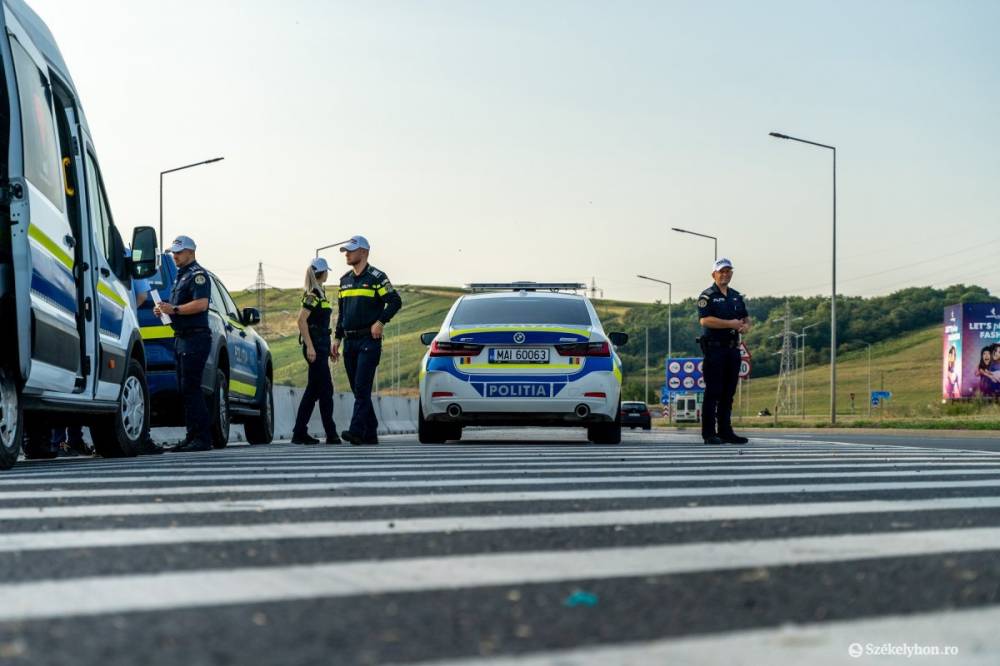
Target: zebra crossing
{"type": "Point", "coordinates": [498, 550]}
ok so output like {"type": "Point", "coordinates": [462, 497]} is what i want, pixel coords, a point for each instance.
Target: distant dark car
{"type": "Point", "coordinates": [238, 374]}
{"type": "Point", "coordinates": [636, 415]}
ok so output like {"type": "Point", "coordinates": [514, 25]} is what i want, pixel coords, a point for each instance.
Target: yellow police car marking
{"type": "Point", "coordinates": [351, 293]}
{"type": "Point", "coordinates": [618, 373]}
{"type": "Point", "coordinates": [241, 388]}
{"type": "Point", "coordinates": [236, 324]}
{"type": "Point", "coordinates": [50, 245]}
{"type": "Point", "coordinates": [111, 294]}
{"type": "Point", "coordinates": [516, 329]}
{"type": "Point", "coordinates": [156, 332]}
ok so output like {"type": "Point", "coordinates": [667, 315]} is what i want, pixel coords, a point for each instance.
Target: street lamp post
{"type": "Point", "coordinates": [327, 247]}
{"type": "Point", "coordinates": [180, 168]}
{"type": "Point", "coordinates": [715, 240]}
{"type": "Point", "coordinates": [670, 320]}
{"type": "Point", "coordinates": [833, 297]}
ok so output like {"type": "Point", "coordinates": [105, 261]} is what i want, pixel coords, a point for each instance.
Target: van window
{"type": "Point", "coordinates": [42, 165]}
{"type": "Point", "coordinates": [99, 212]}
{"type": "Point", "coordinates": [230, 305]}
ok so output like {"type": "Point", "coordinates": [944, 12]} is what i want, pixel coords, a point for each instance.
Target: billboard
{"type": "Point", "coordinates": [971, 351]}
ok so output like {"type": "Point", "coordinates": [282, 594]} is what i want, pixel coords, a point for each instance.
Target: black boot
{"type": "Point", "coordinates": [304, 438]}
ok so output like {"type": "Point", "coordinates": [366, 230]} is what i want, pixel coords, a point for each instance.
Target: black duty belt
{"type": "Point", "coordinates": [711, 343]}
{"type": "Point", "coordinates": [355, 333]}
{"type": "Point", "coordinates": [188, 332]}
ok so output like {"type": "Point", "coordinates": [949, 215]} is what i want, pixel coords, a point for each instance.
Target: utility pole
{"type": "Point", "coordinates": [594, 290]}
{"type": "Point", "coordinates": [645, 387]}
{"type": "Point", "coordinates": [784, 402]}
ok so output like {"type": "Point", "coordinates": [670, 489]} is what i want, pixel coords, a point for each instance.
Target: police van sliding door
{"type": "Point", "coordinates": [113, 286]}
{"type": "Point", "coordinates": [55, 339]}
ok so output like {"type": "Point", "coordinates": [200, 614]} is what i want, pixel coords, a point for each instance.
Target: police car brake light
{"type": "Point", "coordinates": [584, 349]}
{"type": "Point", "coordinates": [454, 349]}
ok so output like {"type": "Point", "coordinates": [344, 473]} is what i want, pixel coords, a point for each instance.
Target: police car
{"type": "Point", "coordinates": [239, 372]}
{"type": "Point", "coordinates": [521, 354]}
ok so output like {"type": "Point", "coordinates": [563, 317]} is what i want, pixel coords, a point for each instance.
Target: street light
{"type": "Point", "coordinates": [670, 319]}
{"type": "Point", "coordinates": [180, 168]}
{"type": "Point", "coordinates": [695, 233]}
{"type": "Point", "coordinates": [833, 297]}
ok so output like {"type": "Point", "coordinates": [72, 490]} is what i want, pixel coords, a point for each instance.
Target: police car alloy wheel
{"type": "Point", "coordinates": [11, 422]}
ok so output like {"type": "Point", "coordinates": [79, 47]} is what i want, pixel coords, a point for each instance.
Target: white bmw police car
{"type": "Point", "coordinates": [521, 354]}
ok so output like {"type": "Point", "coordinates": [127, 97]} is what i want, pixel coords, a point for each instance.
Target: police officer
{"type": "Point", "coordinates": [723, 317]}
{"type": "Point", "coordinates": [188, 310]}
{"type": "Point", "coordinates": [314, 331]}
{"type": "Point", "coordinates": [366, 302]}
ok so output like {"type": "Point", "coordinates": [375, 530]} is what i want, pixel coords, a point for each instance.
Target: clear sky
{"type": "Point", "coordinates": [555, 140]}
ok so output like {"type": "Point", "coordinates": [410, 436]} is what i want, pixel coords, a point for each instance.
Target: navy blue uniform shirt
{"type": "Point", "coordinates": [192, 284]}
{"type": "Point", "coordinates": [320, 313]}
{"type": "Point", "coordinates": [713, 303]}
{"type": "Point", "coordinates": [364, 299]}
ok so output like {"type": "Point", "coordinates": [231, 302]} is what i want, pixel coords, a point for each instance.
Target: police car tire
{"type": "Point", "coordinates": [453, 433]}
{"type": "Point", "coordinates": [427, 431]}
{"type": "Point", "coordinates": [220, 403]}
{"type": "Point", "coordinates": [607, 433]}
{"type": "Point", "coordinates": [11, 421]}
{"type": "Point", "coordinates": [260, 430]}
{"type": "Point", "coordinates": [108, 432]}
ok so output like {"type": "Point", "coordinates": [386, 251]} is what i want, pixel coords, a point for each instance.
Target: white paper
{"type": "Point", "coordinates": [164, 317]}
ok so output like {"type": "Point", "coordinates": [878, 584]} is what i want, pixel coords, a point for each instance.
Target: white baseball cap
{"type": "Point", "coordinates": [182, 243]}
{"type": "Point", "coordinates": [319, 265]}
{"type": "Point", "coordinates": [356, 242]}
{"type": "Point", "coordinates": [721, 263]}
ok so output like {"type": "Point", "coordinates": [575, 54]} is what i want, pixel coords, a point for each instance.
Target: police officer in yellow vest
{"type": "Point", "coordinates": [314, 331]}
{"type": "Point", "coordinates": [366, 302]}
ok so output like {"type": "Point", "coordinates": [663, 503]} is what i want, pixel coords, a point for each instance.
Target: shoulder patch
{"type": "Point", "coordinates": [310, 300]}
{"type": "Point", "coordinates": [200, 279]}
{"type": "Point", "coordinates": [702, 302]}
{"type": "Point", "coordinates": [376, 272]}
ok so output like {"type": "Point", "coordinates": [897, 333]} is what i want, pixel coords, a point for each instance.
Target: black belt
{"type": "Point", "coordinates": [720, 344]}
{"type": "Point", "coordinates": [187, 332]}
{"type": "Point", "coordinates": [357, 332]}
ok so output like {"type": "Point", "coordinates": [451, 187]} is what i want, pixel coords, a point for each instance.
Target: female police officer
{"type": "Point", "coordinates": [314, 329]}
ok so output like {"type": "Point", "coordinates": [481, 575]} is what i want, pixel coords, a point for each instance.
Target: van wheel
{"type": "Point", "coordinates": [220, 411]}
{"type": "Point", "coordinates": [427, 431]}
{"type": "Point", "coordinates": [11, 421]}
{"type": "Point", "coordinates": [119, 435]}
{"type": "Point", "coordinates": [260, 429]}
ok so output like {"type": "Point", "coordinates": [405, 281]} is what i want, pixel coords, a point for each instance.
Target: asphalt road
{"type": "Point", "coordinates": [513, 546]}
{"type": "Point", "coordinates": [972, 440]}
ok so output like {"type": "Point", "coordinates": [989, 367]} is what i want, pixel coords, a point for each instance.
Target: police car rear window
{"type": "Point", "coordinates": [521, 310]}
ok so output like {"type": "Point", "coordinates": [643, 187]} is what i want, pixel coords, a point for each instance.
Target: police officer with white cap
{"type": "Point", "coordinates": [314, 332]}
{"type": "Point", "coordinates": [723, 317]}
{"type": "Point", "coordinates": [188, 310]}
{"type": "Point", "coordinates": [366, 302]}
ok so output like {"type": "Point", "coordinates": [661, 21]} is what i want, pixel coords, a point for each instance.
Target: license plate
{"type": "Point", "coordinates": [519, 355]}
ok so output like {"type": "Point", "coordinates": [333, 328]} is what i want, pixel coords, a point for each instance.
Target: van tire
{"type": "Point", "coordinates": [119, 435]}
{"type": "Point", "coordinates": [221, 420]}
{"type": "Point", "coordinates": [11, 421]}
{"type": "Point", "coordinates": [260, 429]}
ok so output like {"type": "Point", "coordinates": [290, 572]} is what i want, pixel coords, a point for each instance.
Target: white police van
{"type": "Point", "coordinates": [70, 349]}
{"type": "Point", "coordinates": [521, 354]}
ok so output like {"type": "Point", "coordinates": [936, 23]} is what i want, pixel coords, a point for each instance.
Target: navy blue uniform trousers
{"type": "Point", "coordinates": [319, 388]}
{"type": "Point", "coordinates": [192, 351]}
{"type": "Point", "coordinates": [361, 358]}
{"type": "Point", "coordinates": [722, 372]}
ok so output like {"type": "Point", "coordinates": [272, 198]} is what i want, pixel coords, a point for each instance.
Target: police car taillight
{"type": "Point", "coordinates": [454, 349]}
{"type": "Point", "coordinates": [584, 349]}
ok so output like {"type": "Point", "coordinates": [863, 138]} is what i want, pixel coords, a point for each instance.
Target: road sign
{"type": "Point", "coordinates": [745, 368]}
{"type": "Point", "coordinates": [744, 352]}
{"type": "Point", "coordinates": [685, 375]}
{"type": "Point", "coordinates": [882, 395]}
{"type": "Point", "coordinates": [874, 400]}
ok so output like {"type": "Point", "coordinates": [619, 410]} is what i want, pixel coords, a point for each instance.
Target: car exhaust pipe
{"type": "Point", "coordinates": [454, 411]}
{"type": "Point", "coordinates": [583, 411]}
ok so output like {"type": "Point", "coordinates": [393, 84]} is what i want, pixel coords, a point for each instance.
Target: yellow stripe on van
{"type": "Point", "coordinates": [156, 332]}
{"type": "Point", "coordinates": [111, 294]}
{"type": "Point", "coordinates": [241, 388]}
{"type": "Point", "coordinates": [51, 246]}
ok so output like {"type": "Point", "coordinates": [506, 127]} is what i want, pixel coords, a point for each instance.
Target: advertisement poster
{"type": "Point", "coordinates": [971, 351]}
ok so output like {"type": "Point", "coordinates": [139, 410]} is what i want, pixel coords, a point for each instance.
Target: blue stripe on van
{"type": "Point", "coordinates": [53, 281]}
